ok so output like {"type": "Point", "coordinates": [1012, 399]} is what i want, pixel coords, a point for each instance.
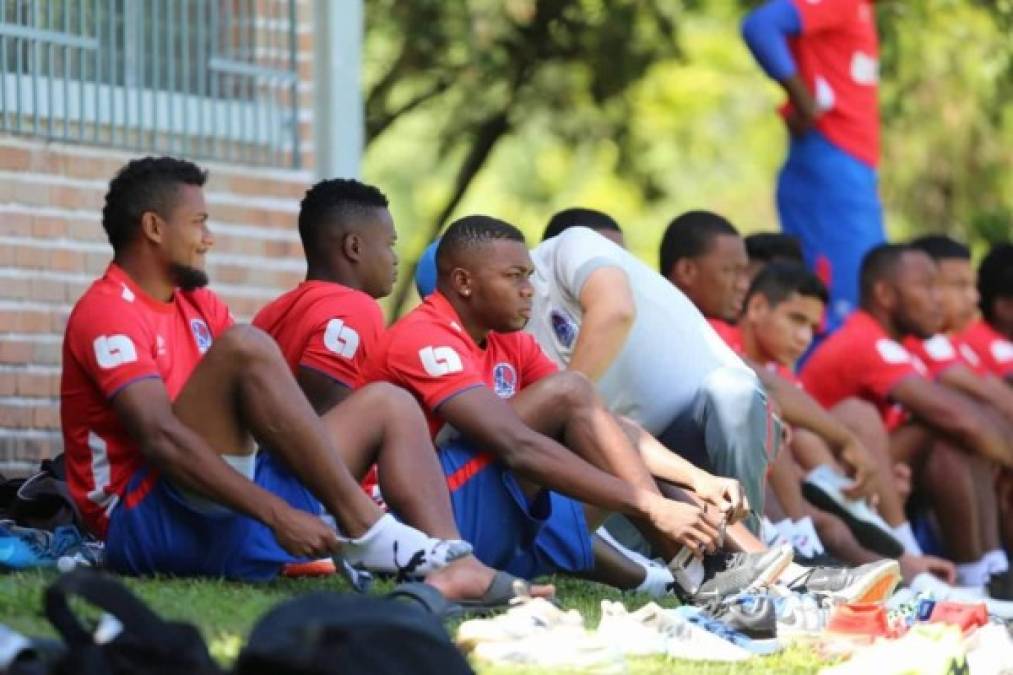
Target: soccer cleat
{"type": "Point", "coordinates": [731, 573]}
{"type": "Point", "coordinates": [872, 582]}
{"type": "Point", "coordinates": [324, 567]}
{"type": "Point", "coordinates": [866, 619]}
{"type": "Point", "coordinates": [26, 547]}
{"type": "Point", "coordinates": [824, 488]}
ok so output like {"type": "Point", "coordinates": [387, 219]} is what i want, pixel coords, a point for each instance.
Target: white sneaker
{"type": "Point", "coordinates": [940, 590]}
{"type": "Point", "coordinates": [553, 650]}
{"type": "Point", "coordinates": [529, 617]}
{"type": "Point", "coordinates": [824, 487]}
{"type": "Point", "coordinates": [990, 650]}
{"type": "Point", "coordinates": [800, 614]}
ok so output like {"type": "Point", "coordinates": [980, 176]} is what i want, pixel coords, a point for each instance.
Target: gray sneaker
{"type": "Point", "coordinates": [872, 582]}
{"type": "Point", "coordinates": [731, 573]}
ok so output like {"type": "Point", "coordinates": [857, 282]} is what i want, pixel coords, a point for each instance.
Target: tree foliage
{"type": "Point", "coordinates": [646, 107]}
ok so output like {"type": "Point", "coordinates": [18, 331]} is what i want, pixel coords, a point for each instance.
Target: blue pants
{"type": "Point", "coordinates": [830, 201]}
{"type": "Point", "coordinates": [156, 529]}
{"type": "Point", "coordinates": [522, 536]}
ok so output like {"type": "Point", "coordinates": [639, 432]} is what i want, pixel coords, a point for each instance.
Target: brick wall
{"type": "Point", "coordinates": [52, 246]}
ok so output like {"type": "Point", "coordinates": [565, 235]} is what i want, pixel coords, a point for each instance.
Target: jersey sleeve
{"type": "Point", "coordinates": [937, 352]}
{"type": "Point", "coordinates": [341, 339]}
{"type": "Point", "coordinates": [577, 253]}
{"type": "Point", "coordinates": [821, 15]}
{"type": "Point", "coordinates": [882, 364]}
{"type": "Point", "coordinates": [433, 362]}
{"type": "Point", "coordinates": [112, 348]}
{"type": "Point", "coordinates": [766, 31]}
{"type": "Point", "coordinates": [535, 364]}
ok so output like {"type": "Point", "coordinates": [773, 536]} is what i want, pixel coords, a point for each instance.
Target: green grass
{"type": "Point", "coordinates": [225, 612]}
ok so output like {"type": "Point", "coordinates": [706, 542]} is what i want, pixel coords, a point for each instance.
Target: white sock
{"type": "Point", "coordinates": [392, 547]}
{"type": "Point", "coordinates": [997, 561]}
{"type": "Point", "coordinates": [973, 574]}
{"type": "Point", "coordinates": [657, 580]}
{"type": "Point", "coordinates": [805, 540]}
{"type": "Point", "coordinates": [906, 537]}
{"type": "Point", "coordinates": [770, 533]}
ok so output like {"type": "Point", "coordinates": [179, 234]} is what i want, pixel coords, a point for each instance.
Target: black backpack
{"type": "Point", "coordinates": [146, 643]}
{"type": "Point", "coordinates": [324, 633]}
{"type": "Point", "coordinates": [42, 500]}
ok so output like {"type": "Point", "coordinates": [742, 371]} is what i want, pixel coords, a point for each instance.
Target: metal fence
{"type": "Point", "coordinates": [213, 79]}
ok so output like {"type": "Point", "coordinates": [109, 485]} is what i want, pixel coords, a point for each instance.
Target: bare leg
{"type": "Point", "coordinates": [950, 482]}
{"type": "Point", "coordinates": [243, 386]}
{"type": "Point", "coordinates": [612, 568]}
{"type": "Point", "coordinates": [383, 424]}
{"type": "Point", "coordinates": [863, 420]}
{"type": "Point", "coordinates": [566, 406]}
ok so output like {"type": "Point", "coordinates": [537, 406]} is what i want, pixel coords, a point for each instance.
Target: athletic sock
{"type": "Point", "coordinates": [998, 563]}
{"type": "Point", "coordinates": [657, 581]}
{"type": "Point", "coordinates": [395, 548]}
{"type": "Point", "coordinates": [906, 536]}
{"type": "Point", "coordinates": [973, 574]}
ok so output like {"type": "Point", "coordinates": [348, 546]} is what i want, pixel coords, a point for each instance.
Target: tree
{"type": "Point", "coordinates": [497, 68]}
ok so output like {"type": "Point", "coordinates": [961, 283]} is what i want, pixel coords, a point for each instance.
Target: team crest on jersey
{"type": "Point", "coordinates": [564, 327]}
{"type": "Point", "coordinates": [201, 334]}
{"type": "Point", "coordinates": [504, 380]}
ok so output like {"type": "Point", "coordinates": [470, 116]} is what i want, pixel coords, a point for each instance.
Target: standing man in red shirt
{"type": "Point", "coordinates": [950, 444]}
{"type": "Point", "coordinates": [327, 328]}
{"type": "Point", "coordinates": [162, 397]}
{"type": "Point", "coordinates": [825, 54]}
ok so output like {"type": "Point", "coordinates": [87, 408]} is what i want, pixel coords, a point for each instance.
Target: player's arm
{"type": "Point", "coordinates": [953, 415]}
{"type": "Point", "coordinates": [725, 493]}
{"type": "Point", "coordinates": [145, 410]}
{"type": "Point", "coordinates": [606, 302]}
{"type": "Point", "coordinates": [986, 388]}
{"type": "Point", "coordinates": [323, 391]}
{"type": "Point", "coordinates": [766, 31]}
{"type": "Point", "coordinates": [801, 410]}
{"type": "Point", "coordinates": [492, 424]}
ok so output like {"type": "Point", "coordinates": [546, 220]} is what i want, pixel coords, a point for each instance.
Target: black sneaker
{"type": "Point", "coordinates": [730, 573]}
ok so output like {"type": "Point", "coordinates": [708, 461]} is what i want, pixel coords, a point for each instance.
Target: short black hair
{"type": "Point", "coordinates": [334, 202]}
{"type": "Point", "coordinates": [995, 278]}
{"type": "Point", "coordinates": [780, 278]}
{"type": "Point", "coordinates": [878, 264]}
{"type": "Point", "coordinates": [577, 217]}
{"type": "Point", "coordinates": [766, 247]}
{"type": "Point", "coordinates": [142, 185]}
{"type": "Point", "coordinates": [471, 231]}
{"type": "Point", "coordinates": [941, 247]}
{"type": "Point", "coordinates": [690, 235]}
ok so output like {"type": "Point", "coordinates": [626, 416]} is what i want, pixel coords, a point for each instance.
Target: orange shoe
{"type": "Point", "coordinates": [315, 568]}
{"type": "Point", "coordinates": [965, 616]}
{"type": "Point", "coordinates": [868, 619]}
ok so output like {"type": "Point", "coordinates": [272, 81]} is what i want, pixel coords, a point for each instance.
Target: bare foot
{"type": "Point", "coordinates": [468, 579]}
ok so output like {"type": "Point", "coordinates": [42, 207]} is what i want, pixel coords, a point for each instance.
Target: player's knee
{"type": "Point", "coordinates": [247, 345]}
{"type": "Point", "coordinates": [572, 389]}
{"type": "Point", "coordinates": [388, 396]}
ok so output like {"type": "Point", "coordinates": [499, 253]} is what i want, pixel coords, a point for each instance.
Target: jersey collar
{"type": "Point", "coordinates": [131, 290]}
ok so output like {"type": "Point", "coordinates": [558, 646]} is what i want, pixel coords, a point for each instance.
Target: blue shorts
{"type": "Point", "coordinates": [830, 201]}
{"type": "Point", "coordinates": [509, 531]}
{"type": "Point", "coordinates": [155, 529]}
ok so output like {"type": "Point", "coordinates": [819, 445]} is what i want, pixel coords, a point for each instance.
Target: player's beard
{"type": "Point", "coordinates": [188, 278]}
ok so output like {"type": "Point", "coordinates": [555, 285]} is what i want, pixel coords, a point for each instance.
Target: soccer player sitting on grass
{"type": "Point", "coordinates": [950, 443]}
{"type": "Point", "coordinates": [162, 396]}
{"type": "Point", "coordinates": [991, 335]}
{"type": "Point", "coordinates": [783, 308]}
{"type": "Point", "coordinates": [599, 311]}
{"type": "Point", "coordinates": [327, 327]}
{"type": "Point", "coordinates": [515, 435]}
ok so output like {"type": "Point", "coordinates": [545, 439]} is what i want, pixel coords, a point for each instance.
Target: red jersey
{"type": "Point", "coordinates": [860, 360]}
{"type": "Point", "coordinates": [990, 346]}
{"type": "Point", "coordinates": [329, 328]}
{"type": "Point", "coordinates": [324, 326]}
{"type": "Point", "coordinates": [837, 54]}
{"type": "Point", "coordinates": [940, 352]}
{"type": "Point", "coordinates": [732, 335]}
{"type": "Point", "coordinates": [429, 353]}
{"type": "Point", "coordinates": [116, 335]}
